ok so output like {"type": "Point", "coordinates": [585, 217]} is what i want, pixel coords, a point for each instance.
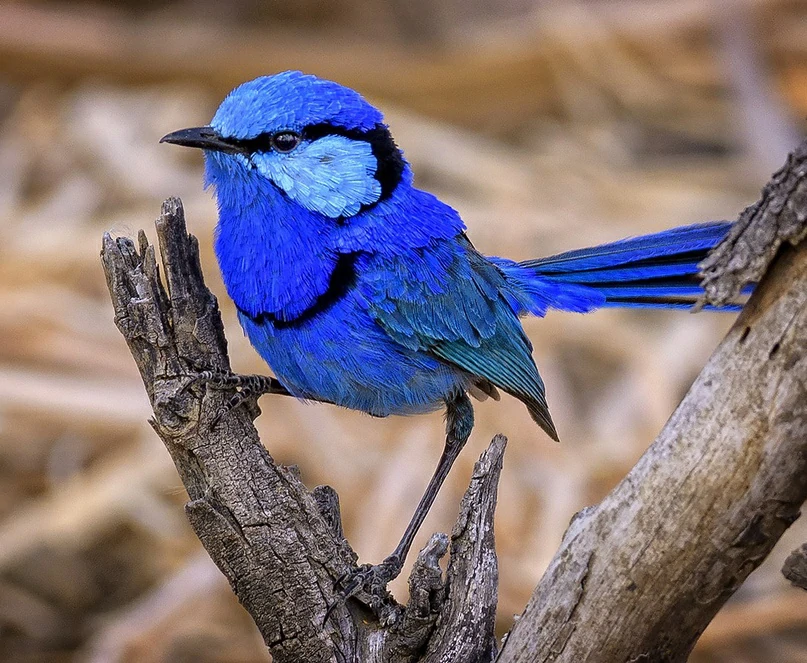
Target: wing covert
{"type": "Point", "coordinates": [448, 300]}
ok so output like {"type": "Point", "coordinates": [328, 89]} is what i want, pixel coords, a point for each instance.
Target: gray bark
{"type": "Point", "coordinates": [637, 577]}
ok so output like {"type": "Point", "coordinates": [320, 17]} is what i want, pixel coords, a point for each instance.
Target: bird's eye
{"type": "Point", "coordinates": [285, 141]}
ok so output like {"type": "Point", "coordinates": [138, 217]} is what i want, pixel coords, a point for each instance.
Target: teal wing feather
{"type": "Point", "coordinates": [450, 302]}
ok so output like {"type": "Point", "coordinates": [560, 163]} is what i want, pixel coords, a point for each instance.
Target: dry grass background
{"type": "Point", "coordinates": [549, 125]}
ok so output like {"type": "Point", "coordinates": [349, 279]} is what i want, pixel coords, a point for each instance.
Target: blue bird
{"type": "Point", "coordinates": [361, 290]}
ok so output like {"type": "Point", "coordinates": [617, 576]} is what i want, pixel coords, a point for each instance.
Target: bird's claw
{"type": "Point", "coordinates": [218, 379]}
{"type": "Point", "coordinates": [206, 377]}
{"type": "Point", "coordinates": [368, 579]}
{"type": "Point", "coordinates": [247, 386]}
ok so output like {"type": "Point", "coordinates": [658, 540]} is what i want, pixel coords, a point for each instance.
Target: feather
{"type": "Point", "coordinates": [667, 243]}
{"type": "Point", "coordinates": [461, 318]}
{"type": "Point", "coordinates": [652, 271]}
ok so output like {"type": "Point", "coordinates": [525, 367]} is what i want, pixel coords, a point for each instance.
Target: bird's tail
{"type": "Point", "coordinates": [651, 271]}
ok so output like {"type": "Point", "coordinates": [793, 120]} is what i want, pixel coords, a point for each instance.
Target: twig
{"type": "Point", "coordinates": [795, 567]}
{"type": "Point", "coordinates": [779, 216]}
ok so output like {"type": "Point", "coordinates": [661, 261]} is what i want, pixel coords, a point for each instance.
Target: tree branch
{"type": "Point", "coordinates": [639, 576]}
{"type": "Point", "coordinates": [281, 546]}
{"type": "Point", "coordinates": [777, 217]}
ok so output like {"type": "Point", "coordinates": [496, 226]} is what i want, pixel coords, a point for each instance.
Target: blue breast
{"type": "Point", "coordinates": [342, 355]}
{"type": "Point", "coordinates": [275, 256]}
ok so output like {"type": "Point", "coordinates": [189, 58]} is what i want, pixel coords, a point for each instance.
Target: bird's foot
{"type": "Point", "coordinates": [371, 581]}
{"type": "Point", "coordinates": [248, 387]}
{"type": "Point", "coordinates": [255, 384]}
{"type": "Point", "coordinates": [370, 578]}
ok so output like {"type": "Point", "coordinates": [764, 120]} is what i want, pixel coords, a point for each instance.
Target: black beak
{"type": "Point", "coordinates": [204, 138]}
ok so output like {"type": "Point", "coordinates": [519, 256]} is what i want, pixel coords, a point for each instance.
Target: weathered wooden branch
{"type": "Point", "coordinates": [281, 546]}
{"type": "Point", "coordinates": [637, 577]}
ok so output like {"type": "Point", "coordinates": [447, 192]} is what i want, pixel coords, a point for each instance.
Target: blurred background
{"type": "Point", "coordinates": [549, 125]}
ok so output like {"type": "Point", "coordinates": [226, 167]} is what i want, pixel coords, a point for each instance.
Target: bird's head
{"type": "Point", "coordinates": [320, 143]}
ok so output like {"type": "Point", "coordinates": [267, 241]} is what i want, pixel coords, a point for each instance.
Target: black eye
{"type": "Point", "coordinates": [285, 141]}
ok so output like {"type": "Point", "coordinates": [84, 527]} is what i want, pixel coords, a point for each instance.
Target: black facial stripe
{"type": "Point", "coordinates": [261, 143]}
{"type": "Point", "coordinates": [390, 160]}
{"type": "Point", "coordinates": [343, 277]}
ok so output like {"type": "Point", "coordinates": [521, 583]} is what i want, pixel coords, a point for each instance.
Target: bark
{"type": "Point", "coordinates": [637, 577]}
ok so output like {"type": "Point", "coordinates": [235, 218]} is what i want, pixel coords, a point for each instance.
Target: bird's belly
{"type": "Point", "coordinates": [343, 356]}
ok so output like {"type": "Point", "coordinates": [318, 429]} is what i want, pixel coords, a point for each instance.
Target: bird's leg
{"type": "Point", "coordinates": [374, 579]}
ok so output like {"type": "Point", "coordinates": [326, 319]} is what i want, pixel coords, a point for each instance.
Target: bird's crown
{"type": "Point", "coordinates": [292, 101]}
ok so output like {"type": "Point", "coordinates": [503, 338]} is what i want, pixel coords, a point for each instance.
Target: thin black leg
{"type": "Point", "coordinates": [459, 422]}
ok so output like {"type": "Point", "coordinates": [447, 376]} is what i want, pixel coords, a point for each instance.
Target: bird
{"type": "Point", "coordinates": [361, 290]}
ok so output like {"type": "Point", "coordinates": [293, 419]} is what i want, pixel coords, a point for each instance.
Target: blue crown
{"type": "Point", "coordinates": [291, 100]}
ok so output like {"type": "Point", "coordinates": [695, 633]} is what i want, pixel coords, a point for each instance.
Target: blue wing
{"type": "Point", "coordinates": [447, 300]}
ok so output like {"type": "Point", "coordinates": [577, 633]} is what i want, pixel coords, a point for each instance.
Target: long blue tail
{"type": "Point", "coordinates": [651, 271]}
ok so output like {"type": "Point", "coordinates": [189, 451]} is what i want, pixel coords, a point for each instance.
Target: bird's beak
{"type": "Point", "coordinates": [205, 138]}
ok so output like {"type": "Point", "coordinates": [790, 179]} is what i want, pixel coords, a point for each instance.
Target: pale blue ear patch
{"type": "Point", "coordinates": [332, 175]}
